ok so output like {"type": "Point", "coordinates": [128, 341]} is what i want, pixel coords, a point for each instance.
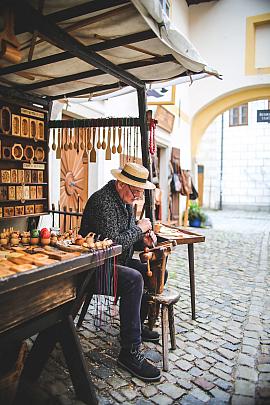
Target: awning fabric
{"type": "Point", "coordinates": [105, 24]}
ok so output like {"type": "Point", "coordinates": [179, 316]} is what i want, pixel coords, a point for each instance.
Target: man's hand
{"type": "Point", "coordinates": [144, 224]}
{"type": "Point", "coordinates": [150, 239]}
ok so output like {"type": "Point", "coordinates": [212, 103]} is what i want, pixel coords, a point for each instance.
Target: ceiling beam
{"type": "Point", "coordinates": [89, 90]}
{"type": "Point", "coordinates": [73, 12]}
{"type": "Point", "coordinates": [100, 46]}
{"type": "Point", "coordinates": [95, 72]}
{"type": "Point", "coordinates": [34, 20]}
{"type": "Point", "coordinates": [10, 92]}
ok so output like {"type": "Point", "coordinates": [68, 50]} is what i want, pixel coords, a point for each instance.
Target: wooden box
{"type": "Point", "coordinates": [29, 209]}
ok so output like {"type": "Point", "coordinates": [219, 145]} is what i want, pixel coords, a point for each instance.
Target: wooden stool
{"type": "Point", "coordinates": [166, 299]}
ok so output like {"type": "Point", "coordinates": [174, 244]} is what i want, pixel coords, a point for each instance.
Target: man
{"type": "Point", "coordinates": [109, 213]}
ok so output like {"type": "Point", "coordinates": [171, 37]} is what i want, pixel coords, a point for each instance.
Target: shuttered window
{"type": "Point", "coordinates": [238, 115]}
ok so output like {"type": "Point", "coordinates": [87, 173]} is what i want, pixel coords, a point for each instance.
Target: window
{"type": "Point", "coordinates": [239, 115]}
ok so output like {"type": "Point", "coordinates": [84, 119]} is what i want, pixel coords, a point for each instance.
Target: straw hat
{"type": "Point", "coordinates": [134, 175]}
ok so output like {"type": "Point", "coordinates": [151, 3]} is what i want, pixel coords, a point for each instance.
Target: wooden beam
{"type": "Point", "coordinates": [101, 46]}
{"type": "Point", "coordinates": [75, 11]}
{"type": "Point", "coordinates": [89, 90]}
{"type": "Point", "coordinates": [95, 72]}
{"type": "Point", "coordinates": [9, 92]}
{"type": "Point", "coordinates": [34, 20]}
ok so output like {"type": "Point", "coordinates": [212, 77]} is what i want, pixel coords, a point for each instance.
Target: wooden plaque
{"type": "Point", "coordinates": [165, 118]}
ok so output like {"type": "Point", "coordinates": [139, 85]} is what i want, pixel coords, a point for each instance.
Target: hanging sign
{"type": "Point", "coordinates": [263, 115]}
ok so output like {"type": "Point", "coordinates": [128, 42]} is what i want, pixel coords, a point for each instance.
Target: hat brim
{"type": "Point", "coordinates": [117, 173]}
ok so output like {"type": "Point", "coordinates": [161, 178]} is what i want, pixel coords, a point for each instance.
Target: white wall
{"type": "Point", "coordinates": [218, 30]}
{"type": "Point", "coordinates": [246, 162]}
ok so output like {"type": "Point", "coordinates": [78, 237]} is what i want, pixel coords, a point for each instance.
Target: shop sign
{"type": "Point", "coordinates": [165, 118]}
{"type": "Point", "coordinates": [39, 166]}
{"type": "Point", "coordinates": [263, 115]}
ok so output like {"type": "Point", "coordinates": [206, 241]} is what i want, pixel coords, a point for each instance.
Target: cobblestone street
{"type": "Point", "coordinates": [221, 358]}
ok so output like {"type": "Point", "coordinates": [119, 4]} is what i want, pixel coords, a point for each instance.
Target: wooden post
{"type": "Point", "coordinates": [186, 212]}
{"type": "Point", "coordinates": [149, 195]}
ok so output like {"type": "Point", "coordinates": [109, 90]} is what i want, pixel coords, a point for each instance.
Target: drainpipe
{"type": "Point", "coordinates": [221, 161]}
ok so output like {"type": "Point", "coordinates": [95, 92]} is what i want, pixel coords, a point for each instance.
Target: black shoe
{"type": "Point", "coordinates": [134, 361]}
{"type": "Point", "coordinates": [149, 335]}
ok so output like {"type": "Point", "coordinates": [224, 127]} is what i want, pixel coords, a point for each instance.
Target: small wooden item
{"type": "Point", "coordinates": [8, 212]}
{"type": "Point", "coordinates": [19, 210]}
{"type": "Point", "coordinates": [29, 209]}
{"type": "Point", "coordinates": [13, 176]}
{"type": "Point", "coordinates": [27, 176]}
{"type": "Point", "coordinates": [5, 176]}
{"type": "Point", "coordinates": [5, 120]}
{"type": "Point", "coordinates": [26, 193]}
{"type": "Point", "coordinates": [25, 127]}
{"type": "Point", "coordinates": [39, 193]}
{"type": "Point", "coordinates": [3, 193]}
{"type": "Point", "coordinates": [40, 176]}
{"type": "Point", "coordinates": [16, 125]}
{"type": "Point", "coordinates": [39, 208]}
{"type": "Point", "coordinates": [40, 130]}
{"type": "Point", "coordinates": [19, 193]}
{"type": "Point", "coordinates": [39, 154]}
{"type": "Point", "coordinates": [33, 192]}
{"type": "Point", "coordinates": [6, 152]}
{"type": "Point", "coordinates": [11, 193]}
{"type": "Point", "coordinates": [34, 176]}
{"type": "Point", "coordinates": [20, 176]}
{"type": "Point", "coordinates": [29, 152]}
{"type": "Point", "coordinates": [33, 128]}
{"type": "Point", "coordinates": [17, 151]}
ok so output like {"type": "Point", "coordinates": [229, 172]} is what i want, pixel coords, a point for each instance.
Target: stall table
{"type": "Point", "coordinates": [45, 301]}
{"type": "Point", "coordinates": [187, 238]}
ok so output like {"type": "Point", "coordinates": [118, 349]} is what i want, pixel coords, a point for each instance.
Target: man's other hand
{"type": "Point", "coordinates": [145, 224]}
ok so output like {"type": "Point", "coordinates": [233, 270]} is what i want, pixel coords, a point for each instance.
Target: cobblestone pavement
{"type": "Point", "coordinates": [221, 358]}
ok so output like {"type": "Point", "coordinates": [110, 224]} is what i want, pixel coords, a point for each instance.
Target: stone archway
{"type": "Point", "coordinates": [203, 118]}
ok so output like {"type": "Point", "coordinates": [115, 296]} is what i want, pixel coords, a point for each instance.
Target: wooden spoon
{"type": "Point", "coordinates": [58, 150]}
{"type": "Point", "coordinates": [85, 154]}
{"type": "Point", "coordinates": [89, 144]}
{"type": "Point", "coordinates": [108, 150]}
{"type": "Point", "coordinates": [70, 139]}
{"type": "Point", "coordinates": [99, 143]}
{"type": "Point", "coordinates": [81, 131]}
{"type": "Point", "coordinates": [53, 144]}
{"type": "Point", "coordinates": [119, 147]}
{"type": "Point", "coordinates": [103, 145]}
{"type": "Point", "coordinates": [93, 154]}
{"type": "Point", "coordinates": [114, 138]}
{"type": "Point", "coordinates": [66, 145]}
{"type": "Point", "coordinates": [76, 144]}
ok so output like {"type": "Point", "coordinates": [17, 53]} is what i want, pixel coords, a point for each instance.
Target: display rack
{"type": "Point", "coordinates": [23, 160]}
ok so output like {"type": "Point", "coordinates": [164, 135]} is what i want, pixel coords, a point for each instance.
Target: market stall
{"type": "Point", "coordinates": [58, 51]}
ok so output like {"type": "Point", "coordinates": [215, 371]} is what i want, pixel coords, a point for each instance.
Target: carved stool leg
{"type": "Point", "coordinates": [171, 326]}
{"type": "Point", "coordinates": [165, 332]}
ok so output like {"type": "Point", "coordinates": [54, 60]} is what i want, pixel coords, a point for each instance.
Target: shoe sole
{"type": "Point", "coordinates": [151, 340]}
{"type": "Point", "coordinates": [153, 379]}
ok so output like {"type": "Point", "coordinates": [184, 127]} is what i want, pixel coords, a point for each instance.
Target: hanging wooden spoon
{"type": "Point", "coordinates": [108, 150]}
{"type": "Point", "coordinates": [98, 142]}
{"type": "Point", "coordinates": [119, 147]}
{"type": "Point", "coordinates": [89, 144]}
{"type": "Point", "coordinates": [93, 154]}
{"type": "Point", "coordinates": [113, 145]}
{"type": "Point", "coordinates": [103, 145]}
{"type": "Point", "coordinates": [53, 144]}
{"type": "Point", "coordinates": [58, 150]}
{"type": "Point", "coordinates": [66, 145]}
{"type": "Point", "coordinates": [62, 139]}
{"type": "Point", "coordinates": [70, 139]}
{"type": "Point", "coordinates": [76, 135]}
{"type": "Point", "coordinates": [85, 154]}
{"type": "Point", "coordinates": [81, 136]}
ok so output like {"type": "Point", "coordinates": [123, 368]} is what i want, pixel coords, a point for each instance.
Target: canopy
{"type": "Point", "coordinates": [72, 48]}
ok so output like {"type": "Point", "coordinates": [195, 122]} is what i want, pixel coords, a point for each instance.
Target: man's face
{"type": "Point", "coordinates": [128, 193]}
